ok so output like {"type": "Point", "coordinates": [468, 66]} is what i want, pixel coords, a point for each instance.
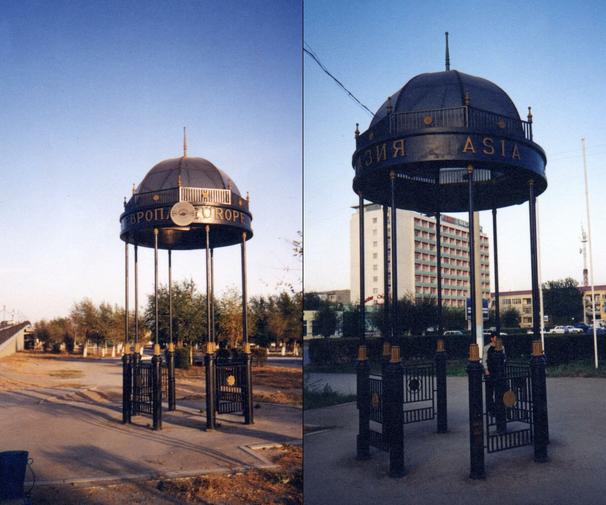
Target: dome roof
{"type": "Point", "coordinates": [443, 90]}
{"type": "Point", "coordinates": [194, 173]}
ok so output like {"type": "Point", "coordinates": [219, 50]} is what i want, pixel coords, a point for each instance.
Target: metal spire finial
{"type": "Point", "coordinates": [185, 142]}
{"type": "Point", "coordinates": [447, 54]}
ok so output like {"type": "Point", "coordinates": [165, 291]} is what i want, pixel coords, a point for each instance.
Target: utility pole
{"type": "Point", "coordinates": [595, 337]}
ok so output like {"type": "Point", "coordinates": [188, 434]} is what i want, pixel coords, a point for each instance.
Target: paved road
{"type": "Point", "coordinates": [67, 414]}
{"type": "Point", "coordinates": [438, 465]}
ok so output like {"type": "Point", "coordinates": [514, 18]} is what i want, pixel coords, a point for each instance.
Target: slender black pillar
{"type": "Point", "coordinates": [475, 370]}
{"type": "Point", "coordinates": [208, 288]}
{"type": "Point", "coordinates": [363, 404]}
{"type": "Point", "coordinates": [156, 358]}
{"type": "Point", "coordinates": [394, 260]}
{"type": "Point", "coordinates": [497, 294]}
{"type": "Point", "coordinates": [534, 268]}
{"type": "Point", "coordinates": [362, 269]}
{"type": "Point", "coordinates": [126, 361]}
{"type": "Point", "coordinates": [209, 358]}
{"type": "Point", "coordinates": [244, 293]}
{"type": "Point", "coordinates": [212, 295]}
{"type": "Point", "coordinates": [439, 271]}
{"type": "Point", "coordinates": [499, 385]}
{"type": "Point", "coordinates": [441, 360]}
{"type": "Point", "coordinates": [539, 404]}
{"type": "Point", "coordinates": [472, 256]}
{"type": "Point", "coordinates": [394, 393]}
{"type": "Point", "coordinates": [170, 355]}
{"type": "Point", "coordinates": [248, 393]}
{"type": "Point", "coordinates": [385, 333]}
{"type": "Point", "coordinates": [136, 295]}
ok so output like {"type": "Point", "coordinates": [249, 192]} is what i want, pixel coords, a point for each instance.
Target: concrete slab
{"type": "Point", "coordinates": [438, 464]}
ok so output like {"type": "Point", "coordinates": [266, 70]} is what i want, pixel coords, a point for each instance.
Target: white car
{"type": "Point", "coordinates": [560, 330]}
{"type": "Point", "coordinates": [452, 333]}
{"type": "Point", "coordinates": [572, 329]}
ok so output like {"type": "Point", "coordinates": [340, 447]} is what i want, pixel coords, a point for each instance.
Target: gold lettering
{"type": "Point", "coordinates": [206, 212]}
{"type": "Point", "coordinates": [398, 147]}
{"type": "Point", "coordinates": [236, 215]}
{"type": "Point", "coordinates": [469, 146]}
{"type": "Point", "coordinates": [515, 154]}
{"type": "Point", "coordinates": [149, 215]}
{"type": "Point", "coordinates": [228, 214]}
{"type": "Point", "coordinates": [382, 152]}
{"type": "Point", "coordinates": [488, 145]}
{"type": "Point", "coordinates": [133, 219]}
{"type": "Point", "coordinates": [156, 213]}
{"type": "Point", "coordinates": [139, 216]}
{"type": "Point", "coordinates": [502, 148]}
{"type": "Point", "coordinates": [242, 217]}
{"type": "Point", "coordinates": [219, 214]}
{"type": "Point", "coordinates": [368, 155]}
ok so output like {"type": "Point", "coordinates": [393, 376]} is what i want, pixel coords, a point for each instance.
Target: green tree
{"type": "Point", "coordinates": [351, 322]}
{"type": "Point", "coordinates": [510, 318]}
{"type": "Point", "coordinates": [189, 313]}
{"type": "Point", "coordinates": [311, 301]}
{"type": "Point", "coordinates": [261, 308]}
{"type": "Point", "coordinates": [326, 320]}
{"type": "Point", "coordinates": [85, 318]}
{"type": "Point", "coordinates": [563, 301]}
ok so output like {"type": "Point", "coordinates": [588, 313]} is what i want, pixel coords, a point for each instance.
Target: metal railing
{"type": "Point", "coordinates": [180, 194]}
{"type": "Point", "coordinates": [459, 117]}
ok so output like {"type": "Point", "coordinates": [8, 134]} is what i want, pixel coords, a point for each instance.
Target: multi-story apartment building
{"type": "Point", "coordinates": [417, 270]}
{"type": "Point", "coordinates": [522, 302]}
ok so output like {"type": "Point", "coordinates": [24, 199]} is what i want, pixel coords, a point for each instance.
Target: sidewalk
{"type": "Point", "coordinates": [438, 465]}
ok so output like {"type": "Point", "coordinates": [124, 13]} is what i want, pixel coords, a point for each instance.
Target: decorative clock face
{"type": "Point", "coordinates": [182, 213]}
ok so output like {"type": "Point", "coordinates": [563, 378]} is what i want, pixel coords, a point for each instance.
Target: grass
{"type": "Point", "coordinates": [315, 397]}
{"type": "Point", "coordinates": [581, 368]}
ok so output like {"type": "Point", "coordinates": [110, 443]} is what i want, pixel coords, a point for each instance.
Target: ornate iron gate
{"type": "Point", "coordinates": [419, 392]}
{"type": "Point", "coordinates": [509, 409]}
{"type": "Point", "coordinates": [377, 438]}
{"type": "Point", "coordinates": [142, 402]}
{"type": "Point", "coordinates": [231, 386]}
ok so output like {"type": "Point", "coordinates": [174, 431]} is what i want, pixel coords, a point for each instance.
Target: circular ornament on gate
{"type": "Point", "coordinates": [414, 385]}
{"type": "Point", "coordinates": [182, 213]}
{"type": "Point", "coordinates": [501, 124]}
{"type": "Point", "coordinates": [509, 398]}
{"type": "Point", "coordinates": [428, 120]}
{"type": "Point", "coordinates": [375, 401]}
{"type": "Point", "coordinates": [231, 380]}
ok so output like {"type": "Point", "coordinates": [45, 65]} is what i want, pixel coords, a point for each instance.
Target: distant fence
{"type": "Point", "coordinates": [559, 349]}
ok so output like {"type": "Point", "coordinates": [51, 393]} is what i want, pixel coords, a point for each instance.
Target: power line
{"type": "Point", "coordinates": [311, 53]}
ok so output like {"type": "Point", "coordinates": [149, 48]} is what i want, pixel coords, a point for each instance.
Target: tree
{"type": "Point", "coordinates": [85, 317]}
{"type": "Point", "coordinates": [261, 308]}
{"type": "Point", "coordinates": [285, 321]}
{"type": "Point", "coordinates": [311, 301]}
{"type": "Point", "coordinates": [229, 322]}
{"type": "Point", "coordinates": [326, 320]}
{"type": "Point", "coordinates": [510, 318]}
{"type": "Point", "coordinates": [563, 301]}
{"type": "Point", "coordinates": [351, 322]}
{"type": "Point", "coordinates": [189, 313]}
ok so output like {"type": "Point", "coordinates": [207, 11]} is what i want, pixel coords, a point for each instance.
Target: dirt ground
{"type": "Point", "coordinates": [272, 384]}
{"type": "Point", "coordinates": [69, 382]}
{"type": "Point", "coordinates": [280, 486]}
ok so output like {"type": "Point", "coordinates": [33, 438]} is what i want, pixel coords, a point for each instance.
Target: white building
{"type": "Point", "coordinates": [417, 272]}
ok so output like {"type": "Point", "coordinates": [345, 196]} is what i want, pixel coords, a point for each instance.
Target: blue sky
{"type": "Point", "coordinates": [545, 54]}
{"type": "Point", "coordinates": [93, 94]}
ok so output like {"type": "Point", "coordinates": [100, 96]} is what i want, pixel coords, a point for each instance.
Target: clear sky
{"type": "Point", "coordinates": [93, 94]}
{"type": "Point", "coordinates": [546, 54]}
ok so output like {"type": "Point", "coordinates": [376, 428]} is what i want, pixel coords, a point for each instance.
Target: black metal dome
{"type": "Point", "coordinates": [431, 130]}
{"type": "Point", "coordinates": [186, 171]}
{"type": "Point", "coordinates": [180, 197]}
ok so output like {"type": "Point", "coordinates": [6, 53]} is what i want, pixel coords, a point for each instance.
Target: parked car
{"type": "Point", "coordinates": [585, 327]}
{"type": "Point", "coordinates": [573, 330]}
{"type": "Point", "coordinates": [559, 330]}
{"type": "Point", "coordinates": [453, 333]}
